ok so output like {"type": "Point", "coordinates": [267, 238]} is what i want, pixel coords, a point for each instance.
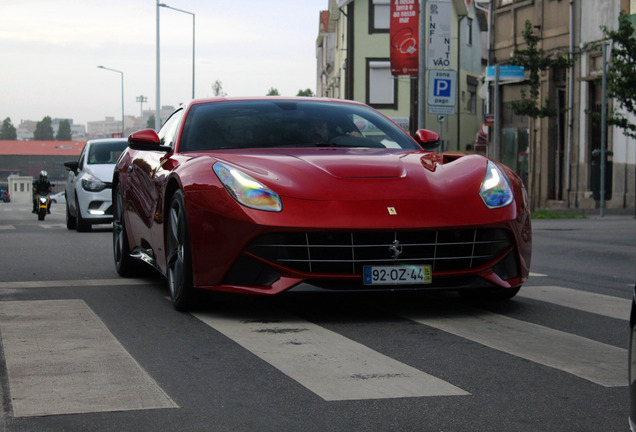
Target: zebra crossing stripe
{"type": "Point", "coordinates": [593, 361]}
{"type": "Point", "coordinates": [328, 364]}
{"type": "Point", "coordinates": [598, 304]}
{"type": "Point", "coordinates": [61, 359]}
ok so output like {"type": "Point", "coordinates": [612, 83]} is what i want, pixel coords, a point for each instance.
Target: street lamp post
{"type": "Point", "coordinates": [122, 95]}
{"type": "Point", "coordinates": [193, 33]}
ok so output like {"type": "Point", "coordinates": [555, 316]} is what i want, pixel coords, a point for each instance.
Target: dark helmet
{"type": "Point", "coordinates": [43, 175]}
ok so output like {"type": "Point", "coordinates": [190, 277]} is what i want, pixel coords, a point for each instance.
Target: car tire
{"type": "Point", "coordinates": [125, 265]}
{"type": "Point", "coordinates": [494, 294]}
{"type": "Point", "coordinates": [178, 254]}
{"type": "Point", "coordinates": [71, 221]}
{"type": "Point", "coordinates": [82, 225]}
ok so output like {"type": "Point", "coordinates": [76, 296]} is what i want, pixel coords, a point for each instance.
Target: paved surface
{"type": "Point", "coordinates": [83, 349]}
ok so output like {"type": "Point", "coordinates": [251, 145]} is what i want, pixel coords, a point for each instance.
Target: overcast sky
{"type": "Point", "coordinates": [50, 50]}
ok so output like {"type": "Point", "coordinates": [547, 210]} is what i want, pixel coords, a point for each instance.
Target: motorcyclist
{"type": "Point", "coordinates": [42, 186]}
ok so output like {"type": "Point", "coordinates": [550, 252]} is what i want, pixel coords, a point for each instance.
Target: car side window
{"type": "Point", "coordinates": [167, 133]}
{"type": "Point", "coordinates": [80, 162]}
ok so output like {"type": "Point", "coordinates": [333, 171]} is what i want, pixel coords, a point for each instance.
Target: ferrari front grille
{"type": "Point", "coordinates": [349, 252]}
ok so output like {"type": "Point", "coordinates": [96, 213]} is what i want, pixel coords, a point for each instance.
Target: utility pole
{"type": "Point", "coordinates": [141, 99]}
{"type": "Point", "coordinates": [421, 81]}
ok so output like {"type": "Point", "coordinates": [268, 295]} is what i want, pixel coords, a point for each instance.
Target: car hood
{"type": "Point", "coordinates": [362, 174]}
{"type": "Point", "coordinates": [104, 172]}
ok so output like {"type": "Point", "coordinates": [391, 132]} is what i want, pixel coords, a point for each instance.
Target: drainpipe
{"type": "Point", "coordinates": [568, 156]}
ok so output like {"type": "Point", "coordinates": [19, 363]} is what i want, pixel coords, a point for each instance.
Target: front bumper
{"type": "Point", "coordinates": [245, 251]}
{"type": "Point", "coordinates": [95, 207]}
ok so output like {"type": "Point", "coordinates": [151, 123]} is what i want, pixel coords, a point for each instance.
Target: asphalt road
{"type": "Point", "coordinates": [85, 350]}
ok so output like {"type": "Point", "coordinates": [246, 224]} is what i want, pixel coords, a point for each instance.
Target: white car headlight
{"type": "Point", "coordinates": [495, 190]}
{"type": "Point", "coordinates": [246, 190]}
{"type": "Point", "coordinates": [92, 184]}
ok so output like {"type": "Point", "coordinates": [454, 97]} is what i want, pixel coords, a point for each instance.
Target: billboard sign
{"type": "Point", "coordinates": [404, 37]}
{"type": "Point", "coordinates": [440, 18]}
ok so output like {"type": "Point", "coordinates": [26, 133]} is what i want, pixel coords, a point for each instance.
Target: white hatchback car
{"type": "Point", "coordinates": [88, 185]}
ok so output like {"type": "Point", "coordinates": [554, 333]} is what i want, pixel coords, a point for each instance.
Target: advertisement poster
{"type": "Point", "coordinates": [404, 36]}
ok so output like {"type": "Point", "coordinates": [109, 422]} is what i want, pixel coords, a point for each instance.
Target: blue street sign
{"type": "Point", "coordinates": [506, 73]}
{"type": "Point", "coordinates": [441, 88]}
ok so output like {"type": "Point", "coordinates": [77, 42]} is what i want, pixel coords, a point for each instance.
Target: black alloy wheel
{"type": "Point", "coordinates": [71, 221]}
{"type": "Point", "coordinates": [82, 224]}
{"type": "Point", "coordinates": [178, 254]}
{"type": "Point", "coordinates": [125, 264]}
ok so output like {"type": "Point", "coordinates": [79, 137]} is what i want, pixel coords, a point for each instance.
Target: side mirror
{"type": "Point", "coordinates": [427, 139]}
{"type": "Point", "coordinates": [71, 166]}
{"type": "Point", "coordinates": [147, 140]}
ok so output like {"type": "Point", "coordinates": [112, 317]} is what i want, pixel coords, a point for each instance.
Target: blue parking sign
{"type": "Point", "coordinates": [442, 87]}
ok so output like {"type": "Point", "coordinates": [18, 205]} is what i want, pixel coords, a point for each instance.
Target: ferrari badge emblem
{"type": "Point", "coordinates": [392, 211]}
{"type": "Point", "coordinates": [395, 249]}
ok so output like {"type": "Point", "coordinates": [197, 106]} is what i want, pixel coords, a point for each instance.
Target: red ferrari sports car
{"type": "Point", "coordinates": [265, 195]}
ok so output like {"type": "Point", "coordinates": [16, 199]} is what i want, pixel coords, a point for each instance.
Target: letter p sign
{"type": "Point", "coordinates": [442, 88]}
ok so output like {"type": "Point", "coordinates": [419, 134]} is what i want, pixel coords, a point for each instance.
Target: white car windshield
{"type": "Point", "coordinates": [105, 153]}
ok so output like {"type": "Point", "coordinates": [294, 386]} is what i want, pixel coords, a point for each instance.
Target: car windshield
{"type": "Point", "coordinates": [105, 153]}
{"type": "Point", "coordinates": [288, 123]}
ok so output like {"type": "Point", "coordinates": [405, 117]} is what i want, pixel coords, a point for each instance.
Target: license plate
{"type": "Point", "coordinates": [397, 275]}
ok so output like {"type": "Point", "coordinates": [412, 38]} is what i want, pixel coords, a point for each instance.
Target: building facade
{"type": "Point", "coordinates": [557, 155]}
{"type": "Point", "coordinates": [353, 62]}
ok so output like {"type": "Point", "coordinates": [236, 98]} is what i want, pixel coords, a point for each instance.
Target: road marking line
{"type": "Point", "coordinates": [7, 227]}
{"type": "Point", "coordinates": [537, 275]}
{"type": "Point", "coordinates": [54, 225]}
{"type": "Point", "coordinates": [73, 283]}
{"type": "Point", "coordinates": [599, 304]}
{"type": "Point", "coordinates": [61, 359]}
{"type": "Point", "coordinates": [593, 361]}
{"type": "Point", "coordinates": [328, 364]}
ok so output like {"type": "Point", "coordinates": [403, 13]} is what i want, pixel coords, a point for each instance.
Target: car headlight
{"type": "Point", "coordinates": [246, 190]}
{"type": "Point", "coordinates": [495, 190]}
{"type": "Point", "coordinates": [92, 184]}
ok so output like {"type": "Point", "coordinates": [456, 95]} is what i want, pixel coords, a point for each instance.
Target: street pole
{"type": "Point", "coordinates": [158, 73]}
{"type": "Point", "coordinates": [122, 95]}
{"type": "Point", "coordinates": [193, 24]}
{"type": "Point", "coordinates": [496, 114]}
{"type": "Point", "coordinates": [141, 99]}
{"type": "Point", "coordinates": [421, 82]}
{"type": "Point", "coordinates": [603, 128]}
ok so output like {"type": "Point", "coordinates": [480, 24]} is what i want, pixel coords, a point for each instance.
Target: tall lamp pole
{"type": "Point", "coordinates": [158, 79]}
{"type": "Point", "coordinates": [122, 95]}
{"type": "Point", "coordinates": [193, 33]}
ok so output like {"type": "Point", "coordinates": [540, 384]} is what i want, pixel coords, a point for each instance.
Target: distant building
{"type": "Point", "coordinates": [78, 131]}
{"type": "Point", "coordinates": [104, 128]}
{"type": "Point", "coordinates": [28, 158]}
{"type": "Point", "coordinates": [25, 130]}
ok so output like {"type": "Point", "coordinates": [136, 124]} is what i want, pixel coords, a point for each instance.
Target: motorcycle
{"type": "Point", "coordinates": [42, 205]}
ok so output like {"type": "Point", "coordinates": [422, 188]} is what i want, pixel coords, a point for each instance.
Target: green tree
{"type": "Point", "coordinates": [64, 131]}
{"type": "Point", "coordinates": [8, 132]}
{"type": "Point", "coordinates": [306, 92]}
{"type": "Point", "coordinates": [621, 76]}
{"type": "Point", "coordinates": [217, 89]}
{"type": "Point", "coordinates": [43, 130]}
{"type": "Point", "coordinates": [272, 92]}
{"type": "Point", "coordinates": [534, 61]}
{"type": "Point", "coordinates": [150, 124]}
